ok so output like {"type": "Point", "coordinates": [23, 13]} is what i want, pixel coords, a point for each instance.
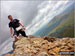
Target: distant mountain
{"type": "Point", "coordinates": [65, 27]}
{"type": "Point", "coordinates": [69, 8]}
{"type": "Point", "coordinates": [60, 26]}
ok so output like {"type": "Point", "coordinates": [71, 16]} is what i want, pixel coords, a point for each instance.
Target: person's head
{"type": "Point", "coordinates": [10, 17]}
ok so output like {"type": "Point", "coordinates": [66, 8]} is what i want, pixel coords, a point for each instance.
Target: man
{"type": "Point", "coordinates": [16, 25]}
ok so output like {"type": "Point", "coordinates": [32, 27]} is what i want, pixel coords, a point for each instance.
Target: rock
{"type": "Point", "coordinates": [50, 39]}
{"type": "Point", "coordinates": [46, 46]}
{"type": "Point", "coordinates": [8, 54]}
{"type": "Point", "coordinates": [43, 54]}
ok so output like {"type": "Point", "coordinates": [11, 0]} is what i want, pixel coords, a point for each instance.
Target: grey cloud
{"type": "Point", "coordinates": [25, 11]}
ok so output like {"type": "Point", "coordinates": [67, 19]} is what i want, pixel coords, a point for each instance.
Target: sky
{"type": "Point", "coordinates": [33, 14]}
{"type": "Point", "coordinates": [46, 11]}
{"type": "Point", "coordinates": [25, 11]}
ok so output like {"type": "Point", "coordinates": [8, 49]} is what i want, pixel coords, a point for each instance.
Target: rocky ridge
{"type": "Point", "coordinates": [39, 46]}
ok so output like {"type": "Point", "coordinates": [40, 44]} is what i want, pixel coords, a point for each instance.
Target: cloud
{"type": "Point", "coordinates": [46, 11]}
{"type": "Point", "coordinates": [22, 10]}
{"type": "Point", "coordinates": [34, 14]}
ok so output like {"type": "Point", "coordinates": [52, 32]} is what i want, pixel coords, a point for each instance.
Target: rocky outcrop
{"type": "Point", "coordinates": [46, 46]}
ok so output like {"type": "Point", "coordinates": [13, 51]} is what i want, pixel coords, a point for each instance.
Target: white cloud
{"type": "Point", "coordinates": [47, 10]}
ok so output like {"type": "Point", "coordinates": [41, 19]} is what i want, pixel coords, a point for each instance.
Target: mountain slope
{"type": "Point", "coordinates": [57, 26]}
{"type": "Point", "coordinates": [66, 26]}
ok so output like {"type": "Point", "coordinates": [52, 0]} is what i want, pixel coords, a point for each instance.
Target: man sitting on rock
{"type": "Point", "coordinates": [17, 26]}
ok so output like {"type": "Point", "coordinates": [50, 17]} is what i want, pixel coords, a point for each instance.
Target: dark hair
{"type": "Point", "coordinates": [9, 16]}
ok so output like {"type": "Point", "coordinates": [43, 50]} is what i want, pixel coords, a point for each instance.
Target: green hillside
{"type": "Point", "coordinates": [65, 27]}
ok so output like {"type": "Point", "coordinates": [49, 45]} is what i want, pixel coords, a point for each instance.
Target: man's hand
{"type": "Point", "coordinates": [22, 25]}
{"type": "Point", "coordinates": [23, 28]}
{"type": "Point", "coordinates": [12, 35]}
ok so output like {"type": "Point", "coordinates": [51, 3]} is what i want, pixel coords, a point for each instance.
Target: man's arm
{"type": "Point", "coordinates": [22, 25]}
{"type": "Point", "coordinates": [11, 32]}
